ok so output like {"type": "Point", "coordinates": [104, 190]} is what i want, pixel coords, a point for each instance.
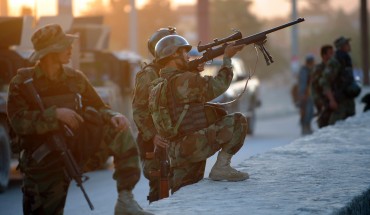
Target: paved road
{"type": "Point", "coordinates": [270, 133]}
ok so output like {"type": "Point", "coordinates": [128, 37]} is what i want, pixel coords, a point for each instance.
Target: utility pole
{"type": "Point", "coordinates": [65, 7]}
{"type": "Point", "coordinates": [294, 64]}
{"type": "Point", "coordinates": [133, 27]}
{"type": "Point", "coordinates": [203, 20]}
{"type": "Point", "coordinates": [4, 8]}
{"type": "Point", "coordinates": [364, 41]}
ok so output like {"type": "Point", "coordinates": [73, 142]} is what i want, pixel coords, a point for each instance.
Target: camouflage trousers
{"type": "Point", "coordinates": [45, 184]}
{"type": "Point", "coordinates": [345, 109]}
{"type": "Point", "coordinates": [148, 166]}
{"type": "Point", "coordinates": [188, 156]}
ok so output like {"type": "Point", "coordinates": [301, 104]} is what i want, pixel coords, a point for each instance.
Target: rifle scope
{"type": "Point", "coordinates": [236, 36]}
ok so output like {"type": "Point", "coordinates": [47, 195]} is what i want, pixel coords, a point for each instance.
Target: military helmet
{"type": "Point", "coordinates": [169, 45]}
{"type": "Point", "coordinates": [159, 34]}
{"type": "Point", "coordinates": [340, 41]}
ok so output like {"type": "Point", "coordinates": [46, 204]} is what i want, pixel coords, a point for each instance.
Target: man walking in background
{"type": "Point", "coordinates": [305, 99]}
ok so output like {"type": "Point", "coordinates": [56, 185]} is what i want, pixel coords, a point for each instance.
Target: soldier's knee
{"type": "Point", "coordinates": [241, 121]}
{"type": "Point", "coordinates": [240, 118]}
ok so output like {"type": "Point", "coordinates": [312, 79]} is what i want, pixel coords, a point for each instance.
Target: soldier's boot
{"type": "Point", "coordinates": [126, 205]}
{"type": "Point", "coordinates": [223, 171]}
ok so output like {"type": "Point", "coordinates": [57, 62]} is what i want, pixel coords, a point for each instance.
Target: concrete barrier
{"type": "Point", "coordinates": [324, 173]}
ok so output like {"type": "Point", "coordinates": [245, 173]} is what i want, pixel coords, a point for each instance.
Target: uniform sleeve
{"type": "Point", "coordinates": [141, 114]}
{"type": "Point", "coordinates": [92, 98]}
{"type": "Point", "coordinates": [329, 73]}
{"type": "Point", "coordinates": [192, 87]}
{"type": "Point", "coordinates": [23, 119]}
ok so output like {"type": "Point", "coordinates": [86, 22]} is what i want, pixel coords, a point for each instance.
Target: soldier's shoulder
{"type": "Point", "coordinates": [149, 71]}
{"type": "Point", "coordinates": [73, 72]}
{"type": "Point", "coordinates": [23, 74]}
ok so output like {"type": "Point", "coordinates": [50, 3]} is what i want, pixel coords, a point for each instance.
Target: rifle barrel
{"type": "Point", "coordinates": [284, 26]}
{"type": "Point", "coordinates": [218, 51]}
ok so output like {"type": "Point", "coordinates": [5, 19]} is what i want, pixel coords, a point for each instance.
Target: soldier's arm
{"type": "Point", "coordinates": [325, 82]}
{"type": "Point", "coordinates": [221, 82]}
{"type": "Point", "coordinates": [141, 114]}
{"type": "Point", "coordinates": [91, 98]}
{"type": "Point", "coordinates": [23, 119]}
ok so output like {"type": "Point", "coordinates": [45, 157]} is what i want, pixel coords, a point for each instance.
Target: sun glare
{"type": "Point", "coordinates": [49, 7]}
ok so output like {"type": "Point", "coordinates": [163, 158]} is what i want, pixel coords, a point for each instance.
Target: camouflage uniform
{"type": "Point", "coordinates": [144, 123]}
{"type": "Point", "coordinates": [331, 80]}
{"type": "Point", "coordinates": [188, 153]}
{"type": "Point", "coordinates": [319, 99]}
{"type": "Point", "coordinates": [45, 185]}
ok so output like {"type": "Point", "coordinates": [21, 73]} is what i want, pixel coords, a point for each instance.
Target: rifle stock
{"type": "Point", "coordinates": [164, 187]}
{"type": "Point", "coordinates": [162, 174]}
{"type": "Point", "coordinates": [258, 39]}
{"type": "Point", "coordinates": [71, 167]}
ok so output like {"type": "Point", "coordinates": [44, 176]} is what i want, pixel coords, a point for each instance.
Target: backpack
{"type": "Point", "coordinates": [159, 108]}
{"type": "Point", "coordinates": [345, 86]}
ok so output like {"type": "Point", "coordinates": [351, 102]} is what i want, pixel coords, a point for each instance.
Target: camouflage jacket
{"type": "Point", "coordinates": [30, 121]}
{"type": "Point", "coordinates": [191, 87]}
{"type": "Point", "coordinates": [337, 74]}
{"type": "Point", "coordinates": [142, 117]}
{"type": "Point", "coordinates": [316, 90]}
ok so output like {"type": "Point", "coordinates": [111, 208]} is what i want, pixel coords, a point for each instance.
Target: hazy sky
{"type": "Point", "coordinates": [262, 8]}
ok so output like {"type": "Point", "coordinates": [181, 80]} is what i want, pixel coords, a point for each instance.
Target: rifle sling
{"type": "Point", "coordinates": [41, 152]}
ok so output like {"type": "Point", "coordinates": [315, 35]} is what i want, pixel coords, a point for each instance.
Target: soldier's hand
{"type": "Point", "coordinates": [333, 104]}
{"type": "Point", "coordinates": [120, 122]}
{"type": "Point", "coordinates": [231, 50]}
{"type": "Point", "coordinates": [69, 117]}
{"type": "Point", "coordinates": [200, 67]}
{"type": "Point", "coordinates": [160, 141]}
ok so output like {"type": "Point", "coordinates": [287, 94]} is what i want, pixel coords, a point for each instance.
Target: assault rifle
{"type": "Point", "coordinates": [57, 142]}
{"type": "Point", "coordinates": [259, 39]}
{"type": "Point", "coordinates": [160, 154]}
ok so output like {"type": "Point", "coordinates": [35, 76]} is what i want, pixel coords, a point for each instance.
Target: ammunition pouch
{"type": "Point", "coordinates": [82, 142]}
{"type": "Point", "coordinates": [199, 116]}
{"type": "Point", "coordinates": [71, 101]}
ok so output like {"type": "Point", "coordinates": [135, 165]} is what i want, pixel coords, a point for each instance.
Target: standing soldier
{"type": "Point", "coordinates": [148, 137]}
{"type": "Point", "coordinates": [319, 99]}
{"type": "Point", "coordinates": [305, 99]}
{"type": "Point", "coordinates": [180, 112]}
{"type": "Point", "coordinates": [338, 82]}
{"type": "Point", "coordinates": [70, 101]}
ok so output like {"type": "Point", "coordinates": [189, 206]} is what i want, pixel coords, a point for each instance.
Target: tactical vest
{"type": "Point", "coordinates": [63, 94]}
{"type": "Point", "coordinates": [174, 120]}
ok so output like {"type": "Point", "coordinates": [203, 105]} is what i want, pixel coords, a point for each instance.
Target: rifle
{"type": "Point", "coordinates": [162, 174]}
{"type": "Point", "coordinates": [259, 39]}
{"type": "Point", "coordinates": [58, 142]}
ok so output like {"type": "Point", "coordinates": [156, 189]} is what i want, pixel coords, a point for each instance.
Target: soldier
{"type": "Point", "coordinates": [178, 104]}
{"type": "Point", "coordinates": [147, 136]}
{"type": "Point", "coordinates": [305, 99]}
{"type": "Point", "coordinates": [45, 184]}
{"type": "Point", "coordinates": [320, 101]}
{"type": "Point", "coordinates": [338, 82]}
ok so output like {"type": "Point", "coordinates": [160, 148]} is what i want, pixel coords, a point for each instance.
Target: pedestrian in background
{"type": "Point", "coordinates": [320, 101]}
{"type": "Point", "coordinates": [305, 100]}
{"type": "Point", "coordinates": [338, 82]}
